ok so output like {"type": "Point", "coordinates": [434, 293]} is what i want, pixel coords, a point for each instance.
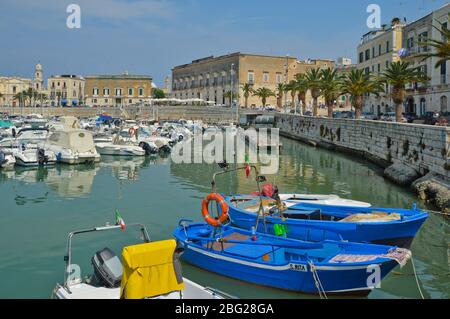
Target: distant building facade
{"type": "Point", "coordinates": [375, 53]}
{"type": "Point", "coordinates": [344, 67]}
{"type": "Point", "coordinates": [118, 90]}
{"type": "Point", "coordinates": [434, 95]}
{"type": "Point", "coordinates": [10, 87]}
{"type": "Point", "coordinates": [66, 90]}
{"type": "Point", "coordinates": [212, 78]}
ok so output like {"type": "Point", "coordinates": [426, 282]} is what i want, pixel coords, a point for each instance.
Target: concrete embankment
{"type": "Point", "coordinates": [415, 156]}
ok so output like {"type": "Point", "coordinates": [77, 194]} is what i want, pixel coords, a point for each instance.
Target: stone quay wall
{"type": "Point", "coordinates": [206, 114]}
{"type": "Point", "coordinates": [413, 155]}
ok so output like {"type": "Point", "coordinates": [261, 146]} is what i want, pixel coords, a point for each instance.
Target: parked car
{"type": "Point", "coordinates": [309, 113]}
{"type": "Point", "coordinates": [368, 116]}
{"type": "Point", "coordinates": [348, 115]}
{"type": "Point", "coordinates": [443, 121]}
{"type": "Point", "coordinates": [411, 117]}
{"type": "Point", "coordinates": [430, 118]}
{"type": "Point", "coordinates": [391, 117]}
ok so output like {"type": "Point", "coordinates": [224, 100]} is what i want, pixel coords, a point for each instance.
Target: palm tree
{"type": "Point", "coordinates": [247, 89]}
{"type": "Point", "coordinates": [302, 89]}
{"type": "Point", "coordinates": [330, 88]}
{"type": "Point", "coordinates": [231, 95]}
{"type": "Point", "coordinates": [357, 83]}
{"type": "Point", "coordinates": [398, 75]}
{"type": "Point", "coordinates": [291, 87]}
{"type": "Point", "coordinates": [263, 93]}
{"type": "Point", "coordinates": [314, 78]}
{"type": "Point", "coordinates": [280, 93]}
{"type": "Point", "coordinates": [441, 47]}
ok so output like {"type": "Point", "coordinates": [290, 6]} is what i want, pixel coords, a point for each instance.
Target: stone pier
{"type": "Point", "coordinates": [412, 155]}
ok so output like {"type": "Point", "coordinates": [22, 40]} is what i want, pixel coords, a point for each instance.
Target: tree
{"type": "Point", "coordinates": [280, 93]}
{"type": "Point", "coordinates": [231, 95]}
{"type": "Point", "coordinates": [247, 89]}
{"type": "Point", "coordinates": [330, 88]}
{"type": "Point", "coordinates": [398, 75]}
{"type": "Point", "coordinates": [440, 48]}
{"type": "Point", "coordinates": [302, 89]}
{"type": "Point", "coordinates": [357, 83]}
{"type": "Point", "coordinates": [291, 87]}
{"type": "Point", "coordinates": [263, 93]}
{"type": "Point", "coordinates": [314, 78]}
{"type": "Point", "coordinates": [158, 93]}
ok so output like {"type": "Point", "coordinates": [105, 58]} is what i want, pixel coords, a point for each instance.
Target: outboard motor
{"type": "Point", "coordinates": [107, 268]}
{"type": "Point", "coordinates": [147, 148]}
{"type": "Point", "coordinates": [41, 157]}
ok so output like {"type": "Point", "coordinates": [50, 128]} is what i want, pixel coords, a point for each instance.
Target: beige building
{"type": "Point", "coordinates": [118, 90]}
{"type": "Point", "coordinates": [376, 51]}
{"type": "Point", "coordinates": [11, 86]}
{"type": "Point", "coordinates": [66, 90]}
{"type": "Point", "coordinates": [212, 78]}
{"type": "Point", "coordinates": [434, 95]}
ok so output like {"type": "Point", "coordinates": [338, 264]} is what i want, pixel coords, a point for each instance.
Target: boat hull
{"type": "Point", "coordinates": [283, 272]}
{"type": "Point", "coordinates": [396, 233]}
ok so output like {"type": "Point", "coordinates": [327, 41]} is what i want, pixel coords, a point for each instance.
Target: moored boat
{"type": "Point", "coordinates": [328, 267]}
{"type": "Point", "coordinates": [150, 270]}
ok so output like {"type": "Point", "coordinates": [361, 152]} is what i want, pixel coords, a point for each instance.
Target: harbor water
{"type": "Point", "coordinates": [39, 207]}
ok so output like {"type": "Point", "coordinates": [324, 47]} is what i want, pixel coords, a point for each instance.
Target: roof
{"type": "Point", "coordinates": [120, 77]}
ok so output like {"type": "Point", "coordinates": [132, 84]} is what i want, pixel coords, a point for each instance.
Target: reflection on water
{"type": "Point", "coordinates": [47, 203]}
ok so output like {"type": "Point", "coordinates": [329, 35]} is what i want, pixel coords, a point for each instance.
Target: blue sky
{"type": "Point", "coordinates": [152, 36]}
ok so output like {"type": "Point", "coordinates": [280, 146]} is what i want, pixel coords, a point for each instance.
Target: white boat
{"type": "Point", "coordinates": [7, 160]}
{"type": "Point", "coordinates": [119, 147]}
{"type": "Point", "coordinates": [30, 157]}
{"type": "Point", "coordinates": [73, 145]}
{"type": "Point", "coordinates": [25, 136]}
{"type": "Point", "coordinates": [151, 262]}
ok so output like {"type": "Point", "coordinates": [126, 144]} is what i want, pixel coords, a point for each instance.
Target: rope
{"type": "Point", "coordinates": [317, 281]}
{"type": "Point", "coordinates": [417, 278]}
{"type": "Point", "coordinates": [437, 213]}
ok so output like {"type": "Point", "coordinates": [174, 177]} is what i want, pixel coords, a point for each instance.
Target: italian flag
{"type": "Point", "coordinates": [120, 221]}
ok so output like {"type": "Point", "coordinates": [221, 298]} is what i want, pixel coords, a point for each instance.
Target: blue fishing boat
{"type": "Point", "coordinates": [324, 268]}
{"type": "Point", "coordinates": [313, 222]}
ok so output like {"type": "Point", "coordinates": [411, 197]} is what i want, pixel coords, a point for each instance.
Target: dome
{"type": "Point", "coordinates": [38, 67]}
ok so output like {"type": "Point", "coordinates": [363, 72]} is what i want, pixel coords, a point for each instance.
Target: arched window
{"type": "Point", "coordinates": [423, 106]}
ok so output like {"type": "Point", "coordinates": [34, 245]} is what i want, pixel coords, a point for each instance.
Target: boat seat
{"type": "Point", "coordinates": [250, 251]}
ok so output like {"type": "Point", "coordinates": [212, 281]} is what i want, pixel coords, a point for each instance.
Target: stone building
{"type": "Point", "coordinates": [434, 95]}
{"type": "Point", "coordinates": [66, 90]}
{"type": "Point", "coordinates": [212, 78]}
{"type": "Point", "coordinates": [376, 51]}
{"type": "Point", "coordinates": [118, 90]}
{"type": "Point", "coordinates": [11, 86]}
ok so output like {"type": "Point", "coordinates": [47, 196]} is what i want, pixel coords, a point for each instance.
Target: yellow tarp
{"type": "Point", "coordinates": [148, 270]}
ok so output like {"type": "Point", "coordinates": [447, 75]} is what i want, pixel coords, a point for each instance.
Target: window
{"type": "Point", "coordinates": [279, 78]}
{"type": "Point", "coordinates": [361, 57]}
{"type": "Point", "coordinates": [379, 67]}
{"type": "Point", "coordinates": [141, 91]}
{"type": "Point", "coordinates": [423, 37]}
{"type": "Point", "coordinates": [388, 47]}
{"type": "Point", "coordinates": [367, 70]}
{"type": "Point", "coordinates": [53, 85]}
{"type": "Point", "coordinates": [373, 52]}
{"type": "Point", "coordinates": [118, 92]}
{"type": "Point", "coordinates": [130, 92]}
{"type": "Point", "coordinates": [106, 91]}
{"type": "Point", "coordinates": [94, 100]}
{"type": "Point", "coordinates": [130, 101]}
{"type": "Point", "coordinates": [410, 43]}
{"type": "Point", "coordinates": [251, 77]}
{"type": "Point", "coordinates": [367, 54]}
{"type": "Point", "coordinates": [95, 91]}
{"type": "Point", "coordinates": [265, 77]}
{"type": "Point", "coordinates": [379, 49]}
{"type": "Point", "coordinates": [106, 101]}
{"type": "Point", "coordinates": [373, 68]}
{"type": "Point", "coordinates": [444, 72]}
{"type": "Point", "coordinates": [14, 90]}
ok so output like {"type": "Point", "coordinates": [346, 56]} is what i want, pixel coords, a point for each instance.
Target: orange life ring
{"type": "Point", "coordinates": [223, 206]}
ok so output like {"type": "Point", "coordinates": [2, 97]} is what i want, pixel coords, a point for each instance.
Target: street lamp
{"type": "Point", "coordinates": [286, 67]}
